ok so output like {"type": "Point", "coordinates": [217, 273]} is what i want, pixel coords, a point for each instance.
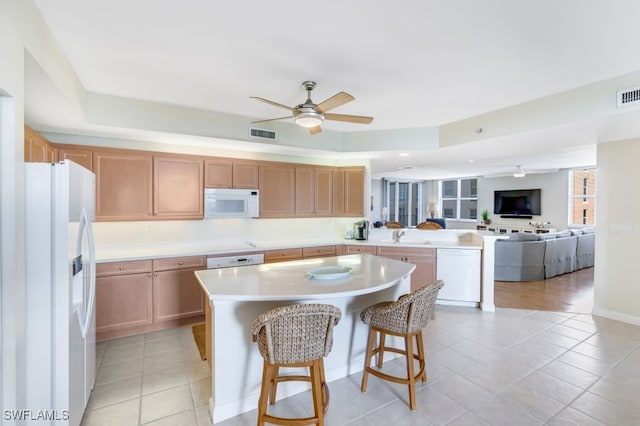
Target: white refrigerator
{"type": "Point", "coordinates": [60, 291]}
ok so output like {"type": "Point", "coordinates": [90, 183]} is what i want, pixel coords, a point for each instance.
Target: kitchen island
{"type": "Point", "coordinates": [238, 295]}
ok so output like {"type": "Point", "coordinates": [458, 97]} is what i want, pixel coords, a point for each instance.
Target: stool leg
{"type": "Point", "coordinates": [264, 392]}
{"type": "Point", "coordinates": [381, 349]}
{"type": "Point", "coordinates": [367, 359]}
{"type": "Point", "coordinates": [273, 382]}
{"type": "Point", "coordinates": [408, 341]}
{"type": "Point", "coordinates": [316, 390]}
{"type": "Point", "coordinates": [421, 357]}
{"type": "Point", "coordinates": [325, 388]}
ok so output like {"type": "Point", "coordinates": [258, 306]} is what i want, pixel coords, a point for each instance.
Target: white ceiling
{"type": "Point", "coordinates": [415, 64]}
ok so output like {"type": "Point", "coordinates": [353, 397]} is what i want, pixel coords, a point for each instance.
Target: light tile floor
{"type": "Point", "coordinates": [512, 367]}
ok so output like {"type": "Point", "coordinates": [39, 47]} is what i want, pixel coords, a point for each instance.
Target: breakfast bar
{"type": "Point", "coordinates": [238, 295]}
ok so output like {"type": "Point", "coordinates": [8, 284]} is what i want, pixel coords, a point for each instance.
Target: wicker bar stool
{"type": "Point", "coordinates": [405, 317]}
{"type": "Point", "coordinates": [295, 336]}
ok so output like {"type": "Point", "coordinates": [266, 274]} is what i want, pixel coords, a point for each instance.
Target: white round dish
{"type": "Point", "coordinates": [329, 272]}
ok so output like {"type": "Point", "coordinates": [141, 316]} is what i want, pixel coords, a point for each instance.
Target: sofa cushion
{"type": "Point", "coordinates": [519, 260]}
{"type": "Point", "coordinates": [588, 230]}
{"type": "Point", "coordinates": [523, 236]}
{"type": "Point", "coordinates": [576, 231]}
{"type": "Point", "coordinates": [563, 234]}
{"type": "Point", "coordinates": [560, 256]}
{"type": "Point", "coordinates": [547, 236]}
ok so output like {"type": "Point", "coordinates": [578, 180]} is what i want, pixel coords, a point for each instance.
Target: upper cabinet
{"type": "Point", "coordinates": [37, 149]}
{"type": "Point", "coordinates": [133, 185]}
{"type": "Point", "coordinates": [348, 191]}
{"type": "Point", "coordinates": [313, 191]}
{"type": "Point", "coordinates": [228, 173]}
{"type": "Point", "coordinates": [84, 157]}
{"type": "Point", "coordinates": [277, 189]}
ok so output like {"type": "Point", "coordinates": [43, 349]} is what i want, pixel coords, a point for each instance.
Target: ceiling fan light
{"type": "Point", "coordinates": [309, 119]}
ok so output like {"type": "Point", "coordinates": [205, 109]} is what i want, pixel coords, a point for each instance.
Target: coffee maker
{"type": "Point", "coordinates": [361, 230]}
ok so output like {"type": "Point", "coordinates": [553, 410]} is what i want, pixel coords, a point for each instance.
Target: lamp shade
{"type": "Point", "coordinates": [309, 119]}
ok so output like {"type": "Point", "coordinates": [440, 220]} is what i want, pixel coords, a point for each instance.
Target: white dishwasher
{"type": "Point", "coordinates": [460, 271]}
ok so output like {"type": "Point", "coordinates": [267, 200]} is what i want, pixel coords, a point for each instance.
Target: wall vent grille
{"type": "Point", "coordinates": [262, 134]}
{"type": "Point", "coordinates": [628, 96]}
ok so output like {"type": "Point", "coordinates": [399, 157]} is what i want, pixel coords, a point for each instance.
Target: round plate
{"type": "Point", "coordinates": [329, 272]}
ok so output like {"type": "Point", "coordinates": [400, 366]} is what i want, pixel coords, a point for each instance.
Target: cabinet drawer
{"type": "Point", "coordinates": [281, 255]}
{"type": "Point", "coordinates": [406, 251]}
{"type": "Point", "coordinates": [351, 249]}
{"type": "Point", "coordinates": [122, 268]}
{"type": "Point", "coordinates": [319, 251]}
{"type": "Point", "coordinates": [179, 263]}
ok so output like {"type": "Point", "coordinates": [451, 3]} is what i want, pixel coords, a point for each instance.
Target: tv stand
{"type": "Point", "coordinates": [516, 216]}
{"type": "Point", "coordinates": [508, 229]}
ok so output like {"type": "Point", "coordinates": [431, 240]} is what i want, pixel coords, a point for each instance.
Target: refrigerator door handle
{"type": "Point", "coordinates": [85, 226]}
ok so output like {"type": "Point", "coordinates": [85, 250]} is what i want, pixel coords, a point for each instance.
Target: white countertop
{"type": "Point", "coordinates": [126, 252]}
{"type": "Point", "coordinates": [290, 281]}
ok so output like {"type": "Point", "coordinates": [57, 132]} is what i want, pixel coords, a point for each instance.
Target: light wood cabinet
{"type": "Point", "coordinates": [37, 149]}
{"type": "Point", "coordinates": [277, 190]}
{"type": "Point", "coordinates": [178, 189]}
{"type": "Point", "coordinates": [124, 185]}
{"type": "Point", "coordinates": [355, 249]}
{"type": "Point", "coordinates": [318, 251]}
{"type": "Point", "coordinates": [354, 191]}
{"type": "Point", "coordinates": [84, 157]}
{"type": "Point", "coordinates": [281, 255]}
{"type": "Point", "coordinates": [423, 258]}
{"type": "Point", "coordinates": [123, 297]}
{"type": "Point", "coordinates": [228, 173]}
{"type": "Point", "coordinates": [313, 191]}
{"type": "Point", "coordinates": [176, 291]}
{"type": "Point", "coordinates": [337, 196]}
{"type": "Point", "coordinates": [134, 185]}
{"type": "Point", "coordinates": [323, 192]}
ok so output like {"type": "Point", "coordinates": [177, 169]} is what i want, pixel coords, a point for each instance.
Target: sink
{"type": "Point", "coordinates": [403, 242]}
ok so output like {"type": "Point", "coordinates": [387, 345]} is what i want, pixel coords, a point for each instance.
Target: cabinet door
{"type": "Point", "coordinates": [323, 192]}
{"type": "Point", "coordinates": [423, 258]}
{"type": "Point", "coordinates": [355, 249]}
{"type": "Point", "coordinates": [178, 190]}
{"type": "Point", "coordinates": [354, 191]}
{"type": "Point", "coordinates": [123, 301]}
{"type": "Point", "coordinates": [304, 191]}
{"type": "Point", "coordinates": [124, 185]}
{"type": "Point", "coordinates": [319, 251]}
{"type": "Point", "coordinates": [218, 173]}
{"type": "Point", "coordinates": [84, 157]}
{"type": "Point", "coordinates": [245, 175]}
{"type": "Point", "coordinates": [37, 149]}
{"type": "Point", "coordinates": [176, 294]}
{"type": "Point", "coordinates": [277, 190]}
{"type": "Point", "coordinates": [337, 206]}
{"type": "Point", "coordinates": [281, 255]}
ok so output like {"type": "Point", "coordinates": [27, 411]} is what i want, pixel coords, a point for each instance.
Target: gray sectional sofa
{"type": "Point", "coordinates": [533, 257]}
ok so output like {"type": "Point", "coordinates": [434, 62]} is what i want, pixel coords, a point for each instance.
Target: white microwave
{"type": "Point", "coordinates": [221, 203]}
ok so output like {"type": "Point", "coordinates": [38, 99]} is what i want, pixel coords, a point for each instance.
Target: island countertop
{"type": "Point", "coordinates": [290, 280]}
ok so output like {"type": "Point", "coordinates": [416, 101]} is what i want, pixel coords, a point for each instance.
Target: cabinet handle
{"type": "Point", "coordinates": [121, 268]}
{"type": "Point", "coordinates": [149, 214]}
{"type": "Point", "coordinates": [155, 275]}
{"type": "Point", "coordinates": [180, 263]}
{"type": "Point", "coordinates": [149, 275]}
{"type": "Point", "coordinates": [284, 254]}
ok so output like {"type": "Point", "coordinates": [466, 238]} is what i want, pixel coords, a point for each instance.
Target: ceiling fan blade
{"type": "Point", "coordinates": [334, 101]}
{"type": "Point", "coordinates": [271, 103]}
{"type": "Point", "coordinates": [271, 119]}
{"type": "Point", "coordinates": [314, 130]}
{"type": "Point", "coordinates": [349, 118]}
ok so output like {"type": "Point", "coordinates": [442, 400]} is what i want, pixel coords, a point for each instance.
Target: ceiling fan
{"type": "Point", "coordinates": [520, 172]}
{"type": "Point", "coordinates": [312, 115]}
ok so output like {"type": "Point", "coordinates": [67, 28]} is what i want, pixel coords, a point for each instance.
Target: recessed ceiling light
{"type": "Point", "coordinates": [403, 154]}
{"type": "Point", "coordinates": [479, 130]}
{"type": "Point", "coordinates": [471, 161]}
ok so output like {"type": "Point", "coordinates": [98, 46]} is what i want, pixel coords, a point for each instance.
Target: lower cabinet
{"type": "Point", "coordinates": [356, 249]}
{"type": "Point", "coordinates": [318, 251]}
{"type": "Point", "coordinates": [176, 293]}
{"type": "Point", "coordinates": [423, 258]}
{"type": "Point", "coordinates": [281, 255]}
{"type": "Point", "coordinates": [139, 296]}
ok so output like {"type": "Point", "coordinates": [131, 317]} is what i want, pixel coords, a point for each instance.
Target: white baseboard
{"type": "Point", "coordinates": [630, 319]}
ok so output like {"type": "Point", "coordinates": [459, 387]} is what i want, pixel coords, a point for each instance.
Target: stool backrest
{"type": "Point", "coordinates": [410, 313]}
{"type": "Point", "coordinates": [296, 333]}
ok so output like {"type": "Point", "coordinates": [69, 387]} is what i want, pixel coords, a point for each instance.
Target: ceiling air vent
{"type": "Point", "coordinates": [629, 96]}
{"type": "Point", "coordinates": [262, 134]}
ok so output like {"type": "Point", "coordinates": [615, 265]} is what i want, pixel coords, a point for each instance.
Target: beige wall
{"type": "Point", "coordinates": [617, 292]}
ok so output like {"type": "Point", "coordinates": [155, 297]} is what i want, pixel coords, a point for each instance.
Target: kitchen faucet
{"type": "Point", "coordinates": [396, 234]}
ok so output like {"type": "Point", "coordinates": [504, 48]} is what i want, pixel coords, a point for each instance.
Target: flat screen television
{"type": "Point", "coordinates": [517, 202]}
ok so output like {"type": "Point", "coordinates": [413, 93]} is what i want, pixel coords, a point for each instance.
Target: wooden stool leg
{"type": "Point", "coordinates": [325, 388]}
{"type": "Point", "coordinates": [381, 349]}
{"type": "Point", "coordinates": [273, 384]}
{"type": "Point", "coordinates": [367, 359]}
{"type": "Point", "coordinates": [421, 357]}
{"type": "Point", "coordinates": [316, 390]}
{"type": "Point", "coordinates": [408, 341]}
{"type": "Point", "coordinates": [264, 392]}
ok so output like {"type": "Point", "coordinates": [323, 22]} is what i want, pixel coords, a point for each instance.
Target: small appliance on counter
{"type": "Point", "coordinates": [361, 230]}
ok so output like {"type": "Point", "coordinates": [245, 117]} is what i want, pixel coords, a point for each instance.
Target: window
{"type": "Point", "coordinates": [459, 199]}
{"type": "Point", "coordinates": [582, 197]}
{"type": "Point", "coordinates": [404, 199]}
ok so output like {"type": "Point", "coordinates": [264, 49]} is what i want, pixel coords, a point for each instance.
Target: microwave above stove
{"type": "Point", "coordinates": [227, 203]}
